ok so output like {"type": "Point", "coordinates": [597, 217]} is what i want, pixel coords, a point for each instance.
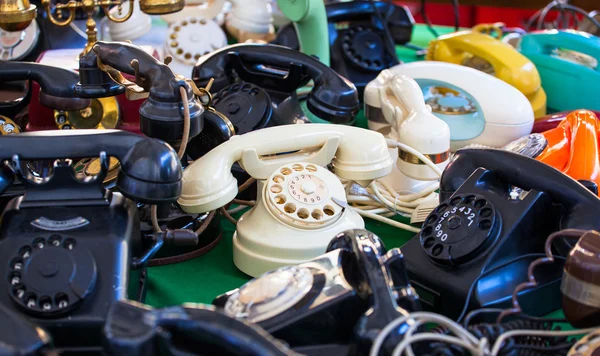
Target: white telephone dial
{"type": "Point", "coordinates": [300, 204]}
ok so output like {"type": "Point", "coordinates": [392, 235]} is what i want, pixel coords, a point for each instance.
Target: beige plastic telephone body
{"type": "Point", "coordinates": [412, 123]}
{"type": "Point", "coordinates": [300, 204]}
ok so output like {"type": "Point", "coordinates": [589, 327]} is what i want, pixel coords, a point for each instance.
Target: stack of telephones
{"type": "Point", "coordinates": [112, 161]}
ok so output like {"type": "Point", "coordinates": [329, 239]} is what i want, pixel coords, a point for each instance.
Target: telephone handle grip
{"type": "Point", "coordinates": [528, 174]}
{"type": "Point", "coordinates": [52, 80]}
{"type": "Point", "coordinates": [577, 41]}
{"type": "Point", "coordinates": [408, 93]}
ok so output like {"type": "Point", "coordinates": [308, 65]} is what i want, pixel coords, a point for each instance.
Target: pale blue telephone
{"type": "Point", "coordinates": [466, 99]}
{"type": "Point", "coordinates": [567, 61]}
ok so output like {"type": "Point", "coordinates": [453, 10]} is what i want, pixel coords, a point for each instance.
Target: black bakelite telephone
{"type": "Point", "coordinates": [68, 244]}
{"type": "Point", "coordinates": [358, 42]}
{"type": "Point", "coordinates": [255, 87]}
{"type": "Point", "coordinates": [495, 206]}
{"type": "Point", "coordinates": [356, 279]}
{"type": "Point", "coordinates": [161, 115]}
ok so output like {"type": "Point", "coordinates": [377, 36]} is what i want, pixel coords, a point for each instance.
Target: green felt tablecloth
{"type": "Point", "coordinates": [203, 278]}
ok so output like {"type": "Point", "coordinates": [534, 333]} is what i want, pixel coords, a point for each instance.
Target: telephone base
{"type": "Point", "coordinates": [262, 243]}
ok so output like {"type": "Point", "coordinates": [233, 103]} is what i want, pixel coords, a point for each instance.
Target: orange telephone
{"type": "Point", "coordinates": [571, 147]}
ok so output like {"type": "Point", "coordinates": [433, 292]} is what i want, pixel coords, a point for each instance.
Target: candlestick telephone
{"type": "Point", "coordinates": [359, 44]}
{"type": "Point", "coordinates": [300, 204]}
{"type": "Point", "coordinates": [356, 277]}
{"type": "Point", "coordinates": [68, 244]}
{"type": "Point", "coordinates": [495, 205]}
{"type": "Point", "coordinates": [255, 87]}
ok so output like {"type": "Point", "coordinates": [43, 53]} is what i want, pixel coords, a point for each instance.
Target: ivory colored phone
{"type": "Point", "coordinates": [478, 108]}
{"type": "Point", "coordinates": [300, 204]}
{"type": "Point", "coordinates": [410, 121]}
{"type": "Point", "coordinates": [492, 56]}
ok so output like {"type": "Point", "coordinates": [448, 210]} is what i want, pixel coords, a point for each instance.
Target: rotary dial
{"type": "Point", "coordinates": [449, 102]}
{"type": "Point", "coordinates": [305, 195]}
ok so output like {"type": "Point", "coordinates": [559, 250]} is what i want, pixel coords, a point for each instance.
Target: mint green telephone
{"type": "Point", "coordinates": [310, 20]}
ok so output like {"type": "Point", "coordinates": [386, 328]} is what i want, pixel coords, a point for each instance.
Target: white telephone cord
{"type": "Point", "coordinates": [379, 200]}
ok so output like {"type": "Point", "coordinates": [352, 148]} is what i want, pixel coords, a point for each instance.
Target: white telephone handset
{"type": "Point", "coordinates": [300, 204]}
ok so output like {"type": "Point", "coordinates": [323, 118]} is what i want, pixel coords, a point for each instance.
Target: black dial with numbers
{"type": "Point", "coordinates": [459, 228]}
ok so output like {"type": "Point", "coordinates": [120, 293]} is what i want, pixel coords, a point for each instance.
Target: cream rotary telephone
{"type": "Point", "coordinates": [300, 204]}
{"type": "Point", "coordinates": [419, 142]}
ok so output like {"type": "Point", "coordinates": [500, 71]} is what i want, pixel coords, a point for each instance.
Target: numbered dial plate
{"type": "Point", "coordinates": [449, 102]}
{"type": "Point", "coordinates": [459, 228]}
{"type": "Point", "coordinates": [301, 194]}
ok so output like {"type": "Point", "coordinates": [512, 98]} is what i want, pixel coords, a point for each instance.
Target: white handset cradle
{"type": "Point", "coordinates": [300, 204]}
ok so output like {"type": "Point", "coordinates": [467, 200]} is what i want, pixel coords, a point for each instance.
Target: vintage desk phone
{"type": "Point", "coordinates": [492, 56]}
{"type": "Point", "coordinates": [571, 147]}
{"type": "Point", "coordinates": [495, 205]}
{"type": "Point", "coordinates": [568, 65]}
{"type": "Point", "coordinates": [255, 87]}
{"type": "Point", "coordinates": [68, 244]}
{"type": "Point", "coordinates": [455, 95]}
{"type": "Point", "coordinates": [358, 42]}
{"type": "Point", "coordinates": [356, 278]}
{"type": "Point", "coordinates": [410, 121]}
{"type": "Point", "coordinates": [300, 204]}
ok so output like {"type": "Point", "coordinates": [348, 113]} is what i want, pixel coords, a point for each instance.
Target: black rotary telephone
{"type": "Point", "coordinates": [334, 304]}
{"type": "Point", "coordinates": [255, 87]}
{"type": "Point", "coordinates": [161, 115]}
{"type": "Point", "coordinates": [359, 45]}
{"type": "Point", "coordinates": [495, 206]}
{"type": "Point", "coordinates": [68, 244]}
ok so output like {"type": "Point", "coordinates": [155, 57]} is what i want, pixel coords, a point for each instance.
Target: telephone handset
{"type": "Point", "coordinates": [495, 205]}
{"type": "Point", "coordinates": [300, 204]}
{"type": "Point", "coordinates": [357, 38]}
{"type": "Point", "coordinates": [492, 56]}
{"type": "Point", "coordinates": [58, 87]}
{"type": "Point", "coordinates": [161, 115]}
{"type": "Point", "coordinates": [567, 61]}
{"type": "Point", "coordinates": [464, 98]}
{"type": "Point", "coordinates": [255, 87]}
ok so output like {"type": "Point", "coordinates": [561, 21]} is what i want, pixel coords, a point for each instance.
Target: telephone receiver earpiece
{"type": "Point", "coordinates": [161, 115]}
{"type": "Point", "coordinates": [278, 68]}
{"type": "Point", "coordinates": [57, 85]}
{"type": "Point", "coordinates": [150, 170]}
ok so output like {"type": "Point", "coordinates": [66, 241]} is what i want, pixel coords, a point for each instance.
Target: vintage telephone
{"type": "Point", "coordinates": [495, 206]}
{"type": "Point", "coordinates": [571, 147]}
{"type": "Point", "coordinates": [464, 98]}
{"type": "Point", "coordinates": [300, 204]}
{"type": "Point", "coordinates": [338, 301]}
{"type": "Point", "coordinates": [161, 114]}
{"type": "Point", "coordinates": [358, 40]}
{"type": "Point", "coordinates": [491, 56]}
{"type": "Point", "coordinates": [69, 245]}
{"type": "Point", "coordinates": [567, 61]}
{"type": "Point", "coordinates": [410, 121]}
{"type": "Point", "coordinates": [255, 87]}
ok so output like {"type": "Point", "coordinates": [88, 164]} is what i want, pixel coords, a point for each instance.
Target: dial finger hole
{"type": "Point", "coordinates": [54, 240]}
{"type": "Point", "coordinates": [441, 208]}
{"type": "Point", "coordinates": [45, 303]}
{"type": "Point", "coordinates": [429, 242]}
{"type": "Point", "coordinates": [14, 278]}
{"type": "Point", "coordinates": [289, 208]}
{"type": "Point", "coordinates": [485, 224]}
{"type": "Point", "coordinates": [184, 23]}
{"type": "Point", "coordinates": [317, 214]}
{"type": "Point", "coordinates": [19, 291]}
{"type": "Point", "coordinates": [31, 299]}
{"type": "Point", "coordinates": [485, 212]}
{"type": "Point", "coordinates": [427, 231]}
{"type": "Point", "coordinates": [39, 243]}
{"type": "Point", "coordinates": [193, 20]}
{"type": "Point", "coordinates": [25, 251]}
{"type": "Point", "coordinates": [328, 210]}
{"type": "Point", "coordinates": [469, 199]}
{"type": "Point", "coordinates": [456, 201]}
{"type": "Point", "coordinates": [280, 199]}
{"type": "Point", "coordinates": [479, 203]}
{"type": "Point", "coordinates": [437, 250]}
{"type": "Point", "coordinates": [303, 214]}
{"type": "Point", "coordinates": [311, 168]}
{"type": "Point", "coordinates": [431, 219]}
{"type": "Point", "coordinates": [278, 179]}
{"type": "Point", "coordinates": [16, 264]}
{"type": "Point", "coordinates": [69, 244]}
{"type": "Point", "coordinates": [297, 167]}
{"type": "Point", "coordinates": [276, 188]}
{"type": "Point", "coordinates": [202, 21]}
{"type": "Point", "coordinates": [61, 300]}
{"type": "Point", "coordinates": [286, 171]}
